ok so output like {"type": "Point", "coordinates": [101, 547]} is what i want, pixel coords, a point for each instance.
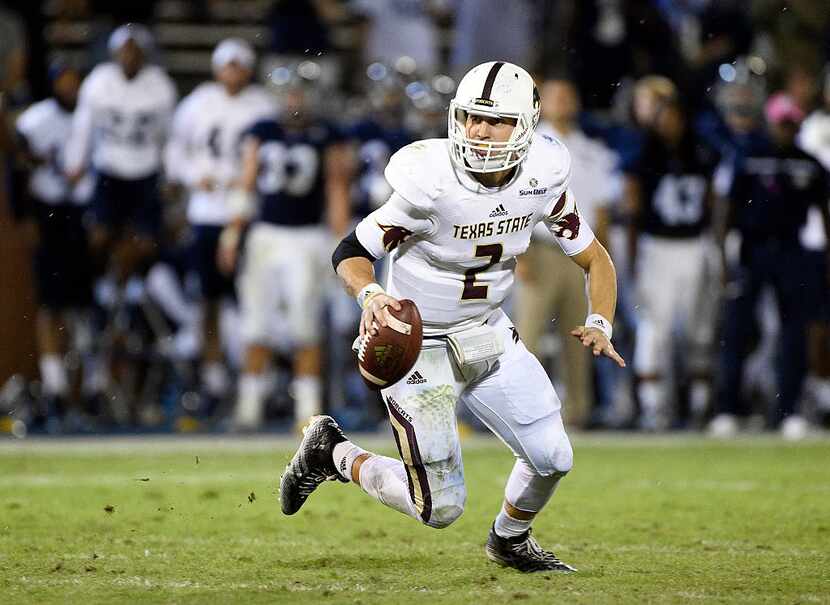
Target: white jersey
{"type": "Point", "coordinates": [45, 126]}
{"type": "Point", "coordinates": [454, 242]}
{"type": "Point", "coordinates": [122, 124]}
{"type": "Point", "coordinates": [207, 130]}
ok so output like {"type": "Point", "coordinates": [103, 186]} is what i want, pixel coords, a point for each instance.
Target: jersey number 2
{"type": "Point", "coordinates": [478, 292]}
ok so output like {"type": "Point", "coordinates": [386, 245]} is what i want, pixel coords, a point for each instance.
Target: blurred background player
{"type": "Point", "coordinates": [298, 168]}
{"type": "Point", "coordinates": [551, 285]}
{"type": "Point", "coordinates": [118, 131]}
{"type": "Point", "coordinates": [60, 252]}
{"type": "Point", "coordinates": [814, 138]}
{"type": "Point", "coordinates": [204, 154]}
{"type": "Point", "coordinates": [668, 201]}
{"type": "Point", "coordinates": [772, 184]}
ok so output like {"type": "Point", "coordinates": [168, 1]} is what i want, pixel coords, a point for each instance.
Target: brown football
{"type": "Point", "coordinates": [386, 357]}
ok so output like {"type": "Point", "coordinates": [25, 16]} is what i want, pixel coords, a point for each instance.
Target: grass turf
{"type": "Point", "coordinates": [669, 521]}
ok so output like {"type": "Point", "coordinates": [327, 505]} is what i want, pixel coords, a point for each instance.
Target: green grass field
{"type": "Point", "coordinates": [645, 521]}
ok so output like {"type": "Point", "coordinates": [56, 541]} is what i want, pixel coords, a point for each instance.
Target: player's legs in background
{"type": "Point", "coordinates": [256, 289]}
{"type": "Point", "coordinates": [570, 310]}
{"type": "Point", "coordinates": [249, 413]}
{"type": "Point", "coordinates": [214, 288]}
{"type": "Point", "coordinates": [743, 290]}
{"type": "Point", "coordinates": [427, 483]}
{"type": "Point", "coordinates": [534, 295]}
{"type": "Point", "coordinates": [63, 275]}
{"type": "Point", "coordinates": [699, 321]}
{"type": "Point", "coordinates": [50, 332]}
{"type": "Point", "coordinates": [790, 276]}
{"type": "Point", "coordinates": [303, 290]}
{"type": "Point", "coordinates": [656, 297]}
{"type": "Point", "coordinates": [552, 292]}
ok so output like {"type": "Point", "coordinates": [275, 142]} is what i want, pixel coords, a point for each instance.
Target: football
{"type": "Point", "coordinates": [386, 357]}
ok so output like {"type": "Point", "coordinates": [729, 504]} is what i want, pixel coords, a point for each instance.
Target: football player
{"type": "Point", "coordinates": [61, 258]}
{"type": "Point", "coordinates": [119, 130]}
{"type": "Point", "coordinates": [204, 154]}
{"type": "Point", "coordinates": [769, 187]}
{"type": "Point", "coordinates": [298, 168]}
{"type": "Point", "coordinates": [462, 210]}
{"type": "Point", "coordinates": [668, 201]}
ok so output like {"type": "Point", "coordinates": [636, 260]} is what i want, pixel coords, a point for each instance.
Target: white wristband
{"type": "Point", "coordinates": [368, 291]}
{"type": "Point", "coordinates": [595, 320]}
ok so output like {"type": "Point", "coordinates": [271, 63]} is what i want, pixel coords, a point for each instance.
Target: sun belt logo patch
{"type": "Point", "coordinates": [534, 188]}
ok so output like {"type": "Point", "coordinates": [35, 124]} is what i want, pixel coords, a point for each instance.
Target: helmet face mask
{"type": "Point", "coordinates": [497, 90]}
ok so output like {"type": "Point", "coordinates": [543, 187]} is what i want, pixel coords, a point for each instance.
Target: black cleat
{"type": "Point", "coordinates": [312, 464]}
{"type": "Point", "coordinates": [523, 553]}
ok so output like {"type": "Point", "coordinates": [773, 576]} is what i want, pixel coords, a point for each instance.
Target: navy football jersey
{"type": "Point", "coordinates": [771, 189]}
{"type": "Point", "coordinates": [376, 144]}
{"type": "Point", "coordinates": [290, 183]}
{"type": "Point", "coordinates": [674, 185]}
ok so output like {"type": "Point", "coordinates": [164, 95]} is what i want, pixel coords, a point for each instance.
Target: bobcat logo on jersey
{"type": "Point", "coordinates": [394, 236]}
{"type": "Point", "coordinates": [567, 227]}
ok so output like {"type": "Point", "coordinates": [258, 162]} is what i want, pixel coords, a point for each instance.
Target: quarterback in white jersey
{"type": "Point", "coordinates": [204, 154]}
{"type": "Point", "coordinates": [462, 211]}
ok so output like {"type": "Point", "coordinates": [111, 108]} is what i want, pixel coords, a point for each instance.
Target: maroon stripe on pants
{"type": "Point", "coordinates": [417, 462]}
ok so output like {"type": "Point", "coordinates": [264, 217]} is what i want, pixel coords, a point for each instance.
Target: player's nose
{"type": "Point", "coordinates": [481, 130]}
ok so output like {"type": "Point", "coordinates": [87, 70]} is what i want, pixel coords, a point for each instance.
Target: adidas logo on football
{"type": "Point", "coordinates": [416, 378]}
{"type": "Point", "coordinates": [499, 211]}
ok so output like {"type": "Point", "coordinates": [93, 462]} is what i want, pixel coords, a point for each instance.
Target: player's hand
{"type": "Point", "coordinates": [598, 342]}
{"type": "Point", "coordinates": [375, 313]}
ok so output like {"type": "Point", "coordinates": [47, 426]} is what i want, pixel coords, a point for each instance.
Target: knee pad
{"type": "Point", "coordinates": [557, 461]}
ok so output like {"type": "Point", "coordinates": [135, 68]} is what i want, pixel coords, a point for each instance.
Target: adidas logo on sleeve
{"type": "Point", "coordinates": [499, 211]}
{"type": "Point", "coordinates": [416, 378]}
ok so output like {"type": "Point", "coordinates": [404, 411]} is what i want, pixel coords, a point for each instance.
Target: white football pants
{"type": "Point", "coordinates": [514, 398]}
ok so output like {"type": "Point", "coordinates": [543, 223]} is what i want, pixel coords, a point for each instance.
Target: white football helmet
{"type": "Point", "coordinates": [496, 89]}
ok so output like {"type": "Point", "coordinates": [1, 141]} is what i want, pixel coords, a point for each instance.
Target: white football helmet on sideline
{"type": "Point", "coordinates": [495, 89]}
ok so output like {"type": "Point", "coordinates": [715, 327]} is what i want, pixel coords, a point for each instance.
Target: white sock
{"type": "Point", "coordinates": [53, 375]}
{"type": "Point", "coordinates": [651, 394]}
{"type": "Point", "coordinates": [508, 527]}
{"type": "Point", "coordinates": [215, 378]}
{"type": "Point", "coordinates": [96, 376]}
{"type": "Point", "coordinates": [250, 403]}
{"type": "Point", "coordinates": [307, 397]}
{"type": "Point", "coordinates": [384, 479]}
{"type": "Point", "coordinates": [344, 455]}
{"type": "Point", "coordinates": [526, 491]}
{"type": "Point", "coordinates": [699, 397]}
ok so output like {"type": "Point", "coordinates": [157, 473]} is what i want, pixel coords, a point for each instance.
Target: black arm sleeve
{"type": "Point", "coordinates": [349, 247]}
